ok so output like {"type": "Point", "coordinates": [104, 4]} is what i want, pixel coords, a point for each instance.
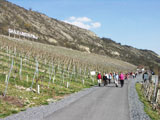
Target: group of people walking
{"type": "Point", "coordinates": [107, 78]}
{"type": "Point", "coordinates": [115, 78]}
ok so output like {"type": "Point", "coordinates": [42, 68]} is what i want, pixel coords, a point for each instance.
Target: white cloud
{"type": "Point", "coordinates": [84, 19]}
{"type": "Point", "coordinates": [96, 25]}
{"type": "Point", "coordinates": [80, 19]}
{"type": "Point", "coordinates": [83, 22]}
{"type": "Point", "coordinates": [72, 18]}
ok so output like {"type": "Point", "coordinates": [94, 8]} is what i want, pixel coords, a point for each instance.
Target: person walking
{"type": "Point", "coordinates": [113, 76]}
{"type": "Point", "coordinates": [145, 76]}
{"type": "Point", "coordinates": [104, 79]}
{"type": "Point", "coordinates": [126, 76]}
{"type": "Point", "coordinates": [116, 79]}
{"type": "Point", "coordinates": [107, 76]}
{"type": "Point", "coordinates": [110, 78]}
{"type": "Point", "coordinates": [99, 77]}
{"type": "Point", "coordinates": [121, 77]}
{"type": "Point", "coordinates": [133, 75]}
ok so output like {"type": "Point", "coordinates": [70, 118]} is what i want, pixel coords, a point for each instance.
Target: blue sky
{"type": "Point", "coordinates": [130, 22]}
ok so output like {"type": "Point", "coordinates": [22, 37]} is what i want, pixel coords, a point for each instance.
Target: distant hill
{"type": "Point", "coordinates": [55, 32]}
{"type": "Point", "coordinates": [131, 54]}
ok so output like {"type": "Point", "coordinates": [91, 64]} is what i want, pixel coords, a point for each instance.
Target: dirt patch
{"type": "Point", "coordinates": [60, 97]}
{"type": "Point", "coordinates": [57, 97]}
{"type": "Point", "coordinates": [12, 100]}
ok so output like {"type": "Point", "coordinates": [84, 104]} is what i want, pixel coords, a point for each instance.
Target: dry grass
{"type": "Point", "coordinates": [99, 62]}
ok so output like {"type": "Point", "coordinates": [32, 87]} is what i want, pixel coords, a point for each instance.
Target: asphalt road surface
{"type": "Point", "coordinates": [105, 103]}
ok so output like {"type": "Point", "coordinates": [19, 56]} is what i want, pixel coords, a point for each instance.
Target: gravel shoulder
{"type": "Point", "coordinates": [136, 107]}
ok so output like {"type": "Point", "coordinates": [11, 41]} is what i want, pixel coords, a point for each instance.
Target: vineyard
{"type": "Point", "coordinates": [33, 74]}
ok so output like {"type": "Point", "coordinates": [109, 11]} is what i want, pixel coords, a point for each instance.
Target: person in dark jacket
{"type": "Point", "coordinates": [104, 79]}
{"type": "Point", "coordinates": [145, 76]}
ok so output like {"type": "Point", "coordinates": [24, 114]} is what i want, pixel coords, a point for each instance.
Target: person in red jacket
{"type": "Point", "coordinates": [99, 77]}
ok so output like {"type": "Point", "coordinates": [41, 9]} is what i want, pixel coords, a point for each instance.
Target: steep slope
{"type": "Point", "coordinates": [54, 32]}
{"type": "Point", "coordinates": [48, 30]}
{"type": "Point", "coordinates": [48, 52]}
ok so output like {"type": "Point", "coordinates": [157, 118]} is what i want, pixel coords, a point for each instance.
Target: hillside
{"type": "Point", "coordinates": [50, 53]}
{"type": "Point", "coordinates": [58, 33]}
{"type": "Point", "coordinates": [35, 74]}
{"type": "Point", "coordinates": [131, 54]}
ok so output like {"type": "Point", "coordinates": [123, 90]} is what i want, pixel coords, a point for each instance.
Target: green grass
{"type": "Point", "coordinates": [55, 91]}
{"type": "Point", "coordinates": [154, 115]}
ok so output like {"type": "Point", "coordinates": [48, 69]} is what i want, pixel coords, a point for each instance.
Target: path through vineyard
{"type": "Point", "coordinates": [106, 103]}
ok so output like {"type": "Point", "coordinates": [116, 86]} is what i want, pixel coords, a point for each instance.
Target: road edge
{"type": "Point", "coordinates": [136, 107]}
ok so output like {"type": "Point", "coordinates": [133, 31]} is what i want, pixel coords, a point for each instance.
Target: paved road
{"type": "Point", "coordinates": [106, 103]}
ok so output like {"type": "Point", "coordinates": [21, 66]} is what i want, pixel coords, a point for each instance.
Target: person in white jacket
{"type": "Point", "coordinates": [116, 79]}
